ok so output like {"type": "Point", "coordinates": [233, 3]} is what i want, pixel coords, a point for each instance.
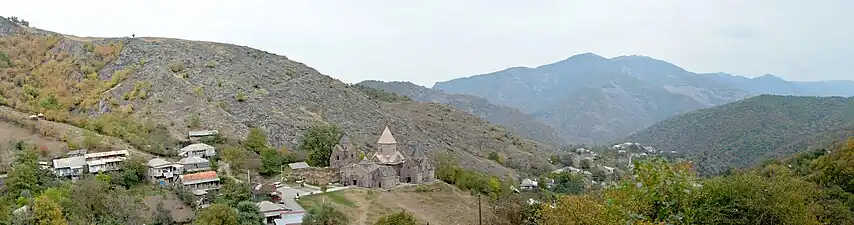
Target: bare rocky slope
{"type": "Point", "coordinates": [184, 85]}
{"type": "Point", "coordinates": [510, 118]}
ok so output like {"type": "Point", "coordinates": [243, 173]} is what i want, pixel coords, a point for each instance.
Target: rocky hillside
{"type": "Point", "coordinates": [152, 91]}
{"type": "Point", "coordinates": [509, 118]}
{"type": "Point", "coordinates": [591, 99]}
{"type": "Point", "coordinates": [746, 132]}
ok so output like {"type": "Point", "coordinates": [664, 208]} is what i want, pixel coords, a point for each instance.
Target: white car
{"type": "Point", "coordinates": [277, 184]}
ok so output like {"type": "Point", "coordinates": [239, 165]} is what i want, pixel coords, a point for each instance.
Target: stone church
{"type": "Point", "coordinates": [386, 168]}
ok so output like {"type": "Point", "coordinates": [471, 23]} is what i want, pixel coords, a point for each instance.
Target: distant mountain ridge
{"type": "Point", "coordinates": [510, 118]}
{"type": "Point", "coordinates": [746, 132]}
{"type": "Point", "coordinates": [587, 98]}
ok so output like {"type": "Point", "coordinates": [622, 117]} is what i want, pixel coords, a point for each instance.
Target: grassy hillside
{"type": "Point", "coordinates": [434, 203]}
{"type": "Point", "coordinates": [747, 132]}
{"type": "Point", "coordinates": [152, 91]}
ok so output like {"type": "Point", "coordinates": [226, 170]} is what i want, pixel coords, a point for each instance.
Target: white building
{"type": "Point", "coordinates": [199, 150]}
{"type": "Point", "coordinates": [161, 171]}
{"type": "Point", "coordinates": [194, 164]}
{"type": "Point", "coordinates": [105, 161]}
{"type": "Point", "coordinates": [71, 167]}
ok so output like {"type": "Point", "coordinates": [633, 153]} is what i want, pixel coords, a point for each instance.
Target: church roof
{"type": "Point", "coordinates": [344, 140]}
{"type": "Point", "coordinates": [386, 137]}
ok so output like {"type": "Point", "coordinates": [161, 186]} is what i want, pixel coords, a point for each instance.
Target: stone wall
{"type": "Point", "coordinates": [314, 175]}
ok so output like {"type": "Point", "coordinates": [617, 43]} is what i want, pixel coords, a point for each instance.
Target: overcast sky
{"type": "Point", "coordinates": [437, 40]}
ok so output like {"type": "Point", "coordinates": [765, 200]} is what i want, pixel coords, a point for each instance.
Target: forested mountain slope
{"type": "Point", "coordinates": [749, 131]}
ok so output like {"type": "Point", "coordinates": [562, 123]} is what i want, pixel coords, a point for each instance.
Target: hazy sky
{"type": "Point", "coordinates": [437, 40]}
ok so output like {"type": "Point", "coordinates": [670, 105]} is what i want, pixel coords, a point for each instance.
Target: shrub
{"type": "Point", "coordinates": [398, 218]}
{"type": "Point", "coordinates": [240, 97]}
{"type": "Point", "coordinates": [176, 67]}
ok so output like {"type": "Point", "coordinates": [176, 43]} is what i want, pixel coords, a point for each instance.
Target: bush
{"type": "Point", "coordinates": [176, 67]}
{"type": "Point", "coordinates": [240, 96]}
{"type": "Point", "coordinates": [398, 218]}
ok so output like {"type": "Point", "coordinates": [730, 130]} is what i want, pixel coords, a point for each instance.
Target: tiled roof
{"type": "Point", "coordinates": [199, 177]}
{"type": "Point", "coordinates": [386, 137]}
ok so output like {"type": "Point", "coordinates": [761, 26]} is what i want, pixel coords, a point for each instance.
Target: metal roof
{"type": "Point", "coordinates": [157, 162]}
{"type": "Point", "coordinates": [196, 147]}
{"type": "Point", "coordinates": [70, 162]}
{"type": "Point", "coordinates": [298, 165]}
{"type": "Point", "coordinates": [202, 133]}
{"type": "Point", "coordinates": [109, 153]}
{"type": "Point", "coordinates": [192, 160]}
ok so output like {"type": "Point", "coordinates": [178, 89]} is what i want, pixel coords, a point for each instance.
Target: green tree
{"type": "Point", "coordinates": [162, 216]}
{"type": "Point", "coordinates": [660, 192]}
{"type": "Point", "coordinates": [398, 218]}
{"type": "Point", "coordinates": [249, 214]}
{"type": "Point", "coordinates": [318, 141]}
{"type": "Point", "coordinates": [568, 183]}
{"type": "Point", "coordinates": [494, 156]}
{"type": "Point", "coordinates": [103, 177]}
{"type": "Point", "coordinates": [217, 214]}
{"type": "Point", "coordinates": [256, 140]}
{"type": "Point", "coordinates": [133, 172]}
{"type": "Point", "coordinates": [24, 173]}
{"type": "Point", "coordinates": [47, 212]}
{"type": "Point", "coordinates": [271, 162]}
{"type": "Point", "coordinates": [324, 214]}
{"type": "Point", "coordinates": [233, 192]}
{"type": "Point", "coordinates": [234, 156]}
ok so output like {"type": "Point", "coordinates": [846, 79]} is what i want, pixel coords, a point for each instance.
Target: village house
{"type": "Point", "coordinates": [199, 134]}
{"type": "Point", "coordinates": [105, 161]}
{"type": "Point", "coordinates": [274, 211]}
{"type": "Point", "coordinates": [199, 150]}
{"type": "Point", "coordinates": [200, 182]}
{"type": "Point", "coordinates": [528, 184]}
{"type": "Point", "coordinates": [71, 167]}
{"type": "Point", "coordinates": [162, 172]}
{"type": "Point", "coordinates": [194, 164]}
{"type": "Point", "coordinates": [386, 168]}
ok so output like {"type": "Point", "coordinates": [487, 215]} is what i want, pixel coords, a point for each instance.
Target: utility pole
{"type": "Point", "coordinates": [479, 215]}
